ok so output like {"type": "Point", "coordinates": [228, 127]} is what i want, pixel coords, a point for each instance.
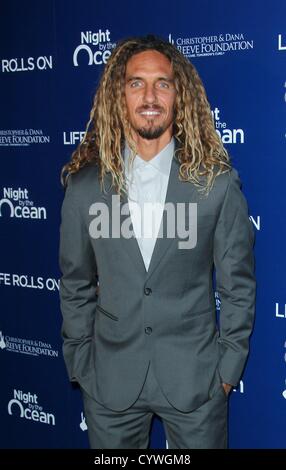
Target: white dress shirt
{"type": "Point", "coordinates": [147, 183]}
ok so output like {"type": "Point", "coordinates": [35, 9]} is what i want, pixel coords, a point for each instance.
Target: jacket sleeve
{"type": "Point", "coordinates": [77, 284]}
{"type": "Point", "coordinates": [235, 280]}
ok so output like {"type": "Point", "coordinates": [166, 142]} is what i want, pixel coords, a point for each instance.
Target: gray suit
{"type": "Point", "coordinates": [165, 316]}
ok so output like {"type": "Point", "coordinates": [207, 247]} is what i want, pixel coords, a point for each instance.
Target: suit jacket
{"type": "Point", "coordinates": [166, 315]}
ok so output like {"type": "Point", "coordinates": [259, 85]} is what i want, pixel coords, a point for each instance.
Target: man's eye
{"type": "Point", "coordinates": [135, 84]}
{"type": "Point", "coordinates": [163, 84]}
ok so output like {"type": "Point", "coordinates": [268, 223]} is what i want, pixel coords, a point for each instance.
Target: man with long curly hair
{"type": "Point", "coordinates": [140, 330]}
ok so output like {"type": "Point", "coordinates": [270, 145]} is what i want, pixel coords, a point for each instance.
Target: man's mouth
{"type": "Point", "coordinates": [150, 113]}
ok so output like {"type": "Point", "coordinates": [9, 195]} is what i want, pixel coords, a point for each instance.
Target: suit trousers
{"type": "Point", "coordinates": [203, 428]}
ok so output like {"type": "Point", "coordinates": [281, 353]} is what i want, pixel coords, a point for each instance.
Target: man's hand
{"type": "Point", "coordinates": [227, 388]}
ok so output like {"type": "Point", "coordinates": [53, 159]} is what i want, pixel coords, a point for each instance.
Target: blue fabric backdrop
{"type": "Point", "coordinates": [52, 54]}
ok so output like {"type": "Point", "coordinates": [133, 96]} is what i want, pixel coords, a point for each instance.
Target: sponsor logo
{"type": "Point", "coordinates": [94, 49]}
{"type": "Point", "coordinates": [22, 137]}
{"type": "Point", "coordinates": [27, 64]}
{"type": "Point", "coordinates": [26, 405]}
{"type": "Point", "coordinates": [285, 96]}
{"type": "Point", "coordinates": [73, 137]}
{"type": "Point", "coordinates": [201, 46]}
{"type": "Point", "coordinates": [16, 203]}
{"type": "Point", "coordinates": [280, 311]}
{"type": "Point", "coordinates": [240, 388]}
{"type": "Point", "coordinates": [281, 43]}
{"type": "Point", "coordinates": [29, 282]}
{"type": "Point", "coordinates": [256, 221]}
{"type": "Point", "coordinates": [217, 301]}
{"type": "Point", "coordinates": [31, 347]}
{"type": "Point", "coordinates": [2, 341]}
{"type": "Point", "coordinates": [227, 135]}
{"type": "Point", "coordinates": [284, 391]}
{"type": "Point", "coordinates": [82, 424]}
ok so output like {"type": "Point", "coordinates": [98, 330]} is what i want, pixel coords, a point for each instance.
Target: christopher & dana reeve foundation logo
{"type": "Point", "coordinates": [213, 45]}
{"type": "Point", "coordinates": [30, 347]}
{"type": "Point", "coordinates": [22, 137]}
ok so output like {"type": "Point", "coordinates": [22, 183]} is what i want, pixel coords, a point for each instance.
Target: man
{"type": "Point", "coordinates": [139, 319]}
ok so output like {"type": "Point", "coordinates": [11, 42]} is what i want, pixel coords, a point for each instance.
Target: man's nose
{"type": "Point", "coordinates": [150, 94]}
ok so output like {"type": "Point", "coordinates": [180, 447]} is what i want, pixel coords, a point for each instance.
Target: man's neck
{"type": "Point", "coordinates": [147, 149]}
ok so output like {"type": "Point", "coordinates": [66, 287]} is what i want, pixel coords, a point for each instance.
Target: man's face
{"type": "Point", "coordinates": [150, 94]}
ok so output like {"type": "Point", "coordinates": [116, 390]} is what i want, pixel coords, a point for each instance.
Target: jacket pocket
{"type": "Point", "coordinates": [108, 314]}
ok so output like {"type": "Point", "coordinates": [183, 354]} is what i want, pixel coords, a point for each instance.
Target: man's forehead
{"type": "Point", "coordinates": [149, 61]}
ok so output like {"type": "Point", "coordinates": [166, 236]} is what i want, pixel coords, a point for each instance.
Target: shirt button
{"type": "Point", "coordinates": [148, 330]}
{"type": "Point", "coordinates": [147, 291]}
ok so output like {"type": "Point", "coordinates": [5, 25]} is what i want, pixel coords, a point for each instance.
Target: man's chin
{"type": "Point", "coordinates": [150, 134]}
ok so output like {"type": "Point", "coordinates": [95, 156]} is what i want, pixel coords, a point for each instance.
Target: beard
{"type": "Point", "coordinates": [152, 133]}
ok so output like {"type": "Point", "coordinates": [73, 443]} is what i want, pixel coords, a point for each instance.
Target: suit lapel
{"type": "Point", "coordinates": [129, 245]}
{"type": "Point", "coordinates": [177, 191]}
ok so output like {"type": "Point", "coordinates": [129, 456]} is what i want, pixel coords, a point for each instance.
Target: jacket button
{"type": "Point", "coordinates": [147, 291]}
{"type": "Point", "coordinates": [148, 330]}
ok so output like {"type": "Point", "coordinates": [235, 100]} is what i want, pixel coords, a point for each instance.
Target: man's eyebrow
{"type": "Point", "coordinates": [129, 79]}
{"type": "Point", "coordinates": [166, 79]}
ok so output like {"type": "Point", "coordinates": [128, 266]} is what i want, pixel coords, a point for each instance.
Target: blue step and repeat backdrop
{"type": "Point", "coordinates": [52, 55]}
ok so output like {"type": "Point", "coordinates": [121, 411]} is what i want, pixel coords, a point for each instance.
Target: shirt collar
{"type": "Point", "coordinates": [161, 162]}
